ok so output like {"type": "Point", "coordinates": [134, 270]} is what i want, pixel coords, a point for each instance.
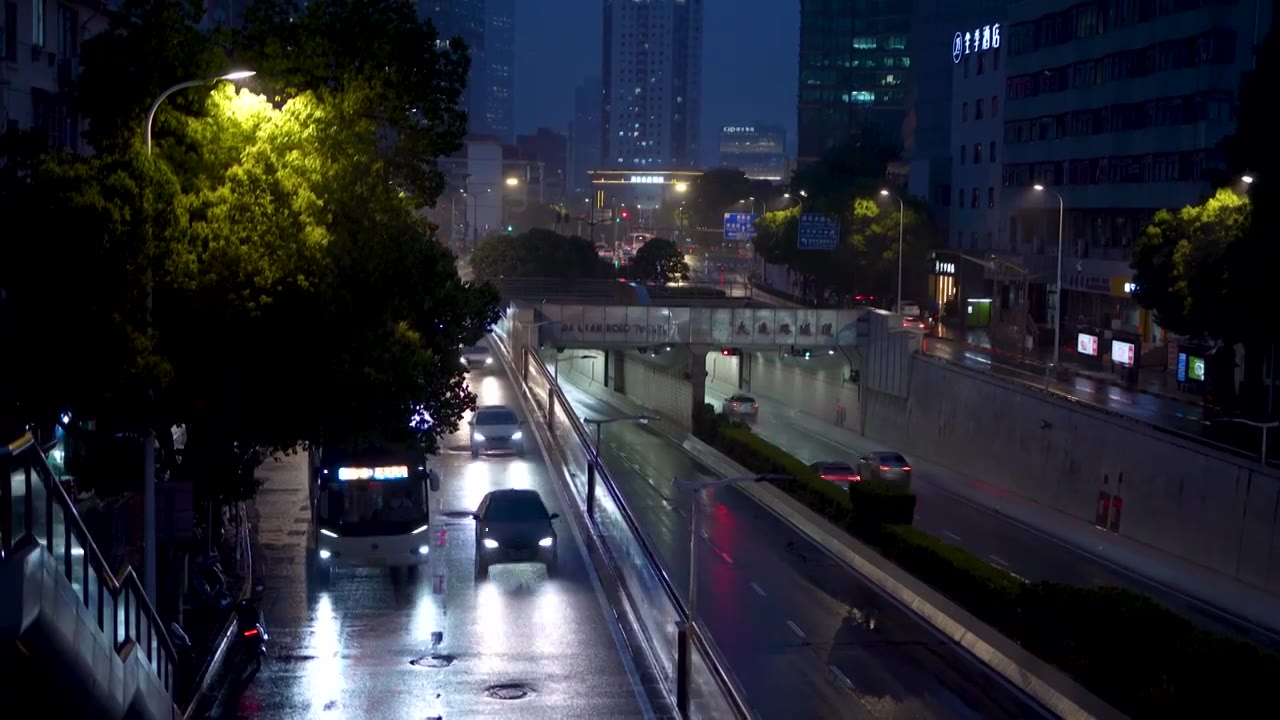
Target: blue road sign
{"type": "Point", "coordinates": [740, 226]}
{"type": "Point", "coordinates": [818, 232]}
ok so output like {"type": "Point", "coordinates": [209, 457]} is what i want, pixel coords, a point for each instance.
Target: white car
{"type": "Point", "coordinates": [478, 356]}
{"type": "Point", "coordinates": [496, 428]}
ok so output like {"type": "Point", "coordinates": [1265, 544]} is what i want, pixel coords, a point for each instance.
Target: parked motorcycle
{"type": "Point", "coordinates": [251, 634]}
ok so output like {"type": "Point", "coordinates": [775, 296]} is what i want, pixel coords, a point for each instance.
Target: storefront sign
{"type": "Point", "coordinates": [1087, 344]}
{"type": "Point", "coordinates": [986, 37]}
{"type": "Point", "coordinates": [731, 129]}
{"type": "Point", "coordinates": [1123, 353]}
{"type": "Point", "coordinates": [1190, 368]}
{"type": "Point", "coordinates": [1130, 288]}
{"type": "Point", "coordinates": [647, 179]}
{"type": "Point", "coordinates": [941, 267]}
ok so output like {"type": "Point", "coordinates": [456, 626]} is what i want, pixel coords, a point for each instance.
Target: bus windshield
{"type": "Point", "coordinates": [374, 507]}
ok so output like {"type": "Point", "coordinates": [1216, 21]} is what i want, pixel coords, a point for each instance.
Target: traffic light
{"type": "Point", "coordinates": [511, 228]}
{"type": "Point", "coordinates": [624, 214]}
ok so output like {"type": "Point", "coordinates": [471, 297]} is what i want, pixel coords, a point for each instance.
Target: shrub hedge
{"type": "Point", "coordinates": [1127, 649]}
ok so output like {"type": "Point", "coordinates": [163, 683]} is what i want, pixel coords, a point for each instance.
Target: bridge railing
{"type": "Point", "coordinates": [690, 666]}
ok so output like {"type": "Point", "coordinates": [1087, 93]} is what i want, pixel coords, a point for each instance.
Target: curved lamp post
{"type": "Point", "coordinates": [151, 114]}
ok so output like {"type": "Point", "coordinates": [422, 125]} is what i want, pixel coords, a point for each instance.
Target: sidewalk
{"type": "Point", "coordinates": [1181, 577]}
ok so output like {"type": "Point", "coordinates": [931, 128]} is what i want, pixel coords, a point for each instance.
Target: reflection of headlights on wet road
{"type": "Point", "coordinates": [546, 542]}
{"type": "Point", "coordinates": [490, 544]}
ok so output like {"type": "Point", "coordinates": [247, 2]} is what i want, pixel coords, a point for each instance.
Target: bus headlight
{"type": "Point", "coordinates": [325, 554]}
{"type": "Point", "coordinates": [328, 533]}
{"type": "Point", "coordinates": [546, 542]}
{"type": "Point", "coordinates": [490, 544]}
{"type": "Point", "coordinates": [419, 530]}
{"type": "Point", "coordinates": [423, 549]}
{"type": "Point", "coordinates": [477, 437]}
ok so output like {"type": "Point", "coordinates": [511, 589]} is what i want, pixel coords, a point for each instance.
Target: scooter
{"type": "Point", "coordinates": [251, 634]}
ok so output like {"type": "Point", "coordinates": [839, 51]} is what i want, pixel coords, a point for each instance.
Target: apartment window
{"type": "Point", "coordinates": [979, 64]}
{"type": "Point", "coordinates": [966, 65]}
{"type": "Point", "coordinates": [960, 240]}
{"type": "Point", "coordinates": [977, 153]}
{"type": "Point", "coordinates": [995, 59]}
{"type": "Point", "coordinates": [9, 38]}
{"type": "Point", "coordinates": [991, 243]}
{"type": "Point", "coordinates": [977, 109]}
{"type": "Point", "coordinates": [68, 32]}
{"type": "Point", "coordinates": [964, 112]}
{"type": "Point", "coordinates": [960, 198]}
{"type": "Point", "coordinates": [995, 106]}
{"type": "Point", "coordinates": [963, 149]}
{"type": "Point", "coordinates": [973, 239]}
{"type": "Point", "coordinates": [991, 197]}
{"type": "Point", "coordinates": [974, 199]}
{"type": "Point", "coordinates": [991, 151]}
{"type": "Point", "coordinates": [37, 22]}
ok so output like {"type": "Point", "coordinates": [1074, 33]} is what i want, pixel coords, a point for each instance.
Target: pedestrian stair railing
{"type": "Point", "coordinates": [34, 509]}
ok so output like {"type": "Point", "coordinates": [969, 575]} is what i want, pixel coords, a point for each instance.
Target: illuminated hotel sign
{"type": "Point", "coordinates": [739, 129]}
{"type": "Point", "coordinates": [647, 179]}
{"type": "Point", "coordinates": [983, 38]}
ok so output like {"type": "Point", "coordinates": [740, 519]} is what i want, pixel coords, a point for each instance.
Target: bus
{"type": "Point", "coordinates": [371, 508]}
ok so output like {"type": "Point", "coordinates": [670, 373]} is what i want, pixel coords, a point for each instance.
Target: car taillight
{"type": "Point", "coordinates": [906, 469]}
{"type": "Point", "coordinates": [735, 404]}
{"type": "Point", "coordinates": [251, 633]}
{"type": "Point", "coordinates": [755, 405]}
{"type": "Point", "coordinates": [885, 467]}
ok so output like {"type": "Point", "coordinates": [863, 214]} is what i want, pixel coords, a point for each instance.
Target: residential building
{"type": "Point", "coordinates": [585, 135]}
{"type": "Point", "coordinates": [652, 84]}
{"type": "Point", "coordinates": [757, 149]}
{"type": "Point", "coordinates": [1115, 108]}
{"type": "Point", "coordinates": [39, 60]}
{"type": "Point", "coordinates": [549, 151]}
{"type": "Point", "coordinates": [854, 70]}
{"type": "Point", "coordinates": [487, 27]}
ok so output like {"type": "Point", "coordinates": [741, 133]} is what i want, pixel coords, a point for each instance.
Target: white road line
{"type": "Point", "coordinates": [951, 535]}
{"type": "Point", "coordinates": [999, 560]}
{"type": "Point", "coordinates": [724, 556]}
{"type": "Point", "coordinates": [840, 676]}
{"type": "Point", "coordinates": [759, 590]}
{"type": "Point", "coordinates": [705, 534]}
{"type": "Point", "coordinates": [796, 629]}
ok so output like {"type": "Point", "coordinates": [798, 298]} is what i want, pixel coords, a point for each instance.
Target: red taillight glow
{"type": "Point", "coordinates": [735, 404]}
{"type": "Point", "coordinates": [251, 633]}
{"type": "Point", "coordinates": [885, 467]}
{"type": "Point", "coordinates": [755, 405]}
{"type": "Point", "coordinates": [906, 469]}
{"type": "Point", "coordinates": [841, 478]}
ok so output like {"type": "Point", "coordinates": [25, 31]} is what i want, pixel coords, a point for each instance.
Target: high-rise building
{"type": "Point", "coordinates": [548, 150]}
{"type": "Point", "coordinates": [487, 27]}
{"type": "Point", "coordinates": [759, 150]}
{"type": "Point", "coordinates": [499, 68]}
{"type": "Point", "coordinates": [854, 68]}
{"type": "Point", "coordinates": [584, 135]}
{"type": "Point", "coordinates": [652, 83]}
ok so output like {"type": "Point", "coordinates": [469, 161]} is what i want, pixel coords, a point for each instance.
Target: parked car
{"type": "Point", "coordinates": [496, 427]}
{"type": "Point", "coordinates": [886, 466]}
{"type": "Point", "coordinates": [835, 471]}
{"type": "Point", "coordinates": [514, 526]}
{"type": "Point", "coordinates": [741, 407]}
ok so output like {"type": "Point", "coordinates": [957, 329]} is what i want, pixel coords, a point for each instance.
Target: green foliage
{"type": "Point", "coordinates": [1127, 649]}
{"type": "Point", "coordinates": [295, 293]}
{"type": "Point", "coordinates": [661, 261]}
{"type": "Point", "coordinates": [1184, 267]}
{"type": "Point", "coordinates": [843, 171]}
{"type": "Point", "coordinates": [538, 253]}
{"type": "Point", "coordinates": [866, 260]}
{"type": "Point", "coordinates": [722, 190]}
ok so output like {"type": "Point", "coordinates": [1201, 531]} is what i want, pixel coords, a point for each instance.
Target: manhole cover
{"type": "Point", "coordinates": [511, 691]}
{"type": "Point", "coordinates": [433, 661]}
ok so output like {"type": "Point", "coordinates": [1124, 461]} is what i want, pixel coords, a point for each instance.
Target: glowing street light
{"type": "Point", "coordinates": [1057, 306]}
{"type": "Point", "coordinates": [1246, 179]}
{"type": "Point", "coordinates": [682, 187]}
{"type": "Point", "coordinates": [151, 114]}
{"type": "Point", "coordinates": [512, 182]}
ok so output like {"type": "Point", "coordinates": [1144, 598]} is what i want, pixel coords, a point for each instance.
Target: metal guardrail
{"type": "Point", "coordinates": [42, 513]}
{"type": "Point", "coordinates": [687, 661]}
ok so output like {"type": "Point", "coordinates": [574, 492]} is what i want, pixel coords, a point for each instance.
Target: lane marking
{"type": "Point", "coordinates": [759, 590]}
{"type": "Point", "coordinates": [840, 677]}
{"type": "Point", "coordinates": [796, 629]}
{"type": "Point", "coordinates": [705, 534]}
{"type": "Point", "coordinates": [999, 560]}
{"type": "Point", "coordinates": [952, 535]}
{"type": "Point", "coordinates": [724, 556]}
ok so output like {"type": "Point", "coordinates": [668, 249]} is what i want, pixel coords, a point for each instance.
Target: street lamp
{"type": "Point", "coordinates": [513, 181]}
{"type": "Point", "coordinates": [1057, 305]}
{"type": "Point", "coordinates": [231, 76]}
{"type": "Point", "coordinates": [902, 222]}
{"type": "Point", "coordinates": [1246, 179]}
{"type": "Point", "coordinates": [682, 187]}
{"type": "Point", "coordinates": [683, 680]}
{"type": "Point", "coordinates": [598, 422]}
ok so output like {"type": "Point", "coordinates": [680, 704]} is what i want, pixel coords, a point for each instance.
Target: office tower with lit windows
{"type": "Point", "coordinates": [652, 84]}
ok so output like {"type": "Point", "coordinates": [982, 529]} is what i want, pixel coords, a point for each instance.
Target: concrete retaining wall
{"type": "Point", "coordinates": [1189, 501]}
{"type": "Point", "coordinates": [817, 386]}
{"type": "Point", "coordinates": [662, 384]}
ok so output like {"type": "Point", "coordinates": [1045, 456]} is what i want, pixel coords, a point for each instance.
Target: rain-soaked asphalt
{"type": "Point", "coordinates": [519, 645]}
{"type": "Point", "coordinates": [806, 637]}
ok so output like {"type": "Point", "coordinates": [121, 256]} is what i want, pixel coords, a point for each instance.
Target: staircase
{"type": "Point", "coordinates": [89, 636]}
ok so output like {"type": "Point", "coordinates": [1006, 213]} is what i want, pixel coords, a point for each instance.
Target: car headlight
{"type": "Point", "coordinates": [518, 435]}
{"type": "Point", "coordinates": [478, 437]}
{"type": "Point", "coordinates": [464, 359]}
{"type": "Point", "coordinates": [488, 361]}
{"type": "Point", "coordinates": [546, 542]}
{"type": "Point", "coordinates": [423, 549]}
{"type": "Point", "coordinates": [490, 544]}
{"type": "Point", "coordinates": [328, 533]}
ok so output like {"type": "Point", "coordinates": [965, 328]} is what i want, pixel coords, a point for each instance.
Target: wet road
{"type": "Point", "coordinates": [345, 651]}
{"type": "Point", "coordinates": [988, 535]}
{"type": "Point", "coordinates": [804, 636]}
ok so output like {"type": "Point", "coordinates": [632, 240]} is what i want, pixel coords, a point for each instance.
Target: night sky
{"type": "Point", "coordinates": [749, 63]}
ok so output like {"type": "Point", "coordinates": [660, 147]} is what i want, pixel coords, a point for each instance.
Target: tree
{"type": "Point", "coordinates": [844, 170]}
{"type": "Point", "coordinates": [717, 192]}
{"type": "Point", "coordinates": [660, 261]}
{"type": "Point", "coordinates": [1187, 270]}
{"type": "Point", "coordinates": [295, 296]}
{"type": "Point", "coordinates": [866, 259]}
{"type": "Point", "coordinates": [538, 253]}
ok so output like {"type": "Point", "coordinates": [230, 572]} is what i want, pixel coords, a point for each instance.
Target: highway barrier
{"type": "Point", "coordinates": [689, 667]}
